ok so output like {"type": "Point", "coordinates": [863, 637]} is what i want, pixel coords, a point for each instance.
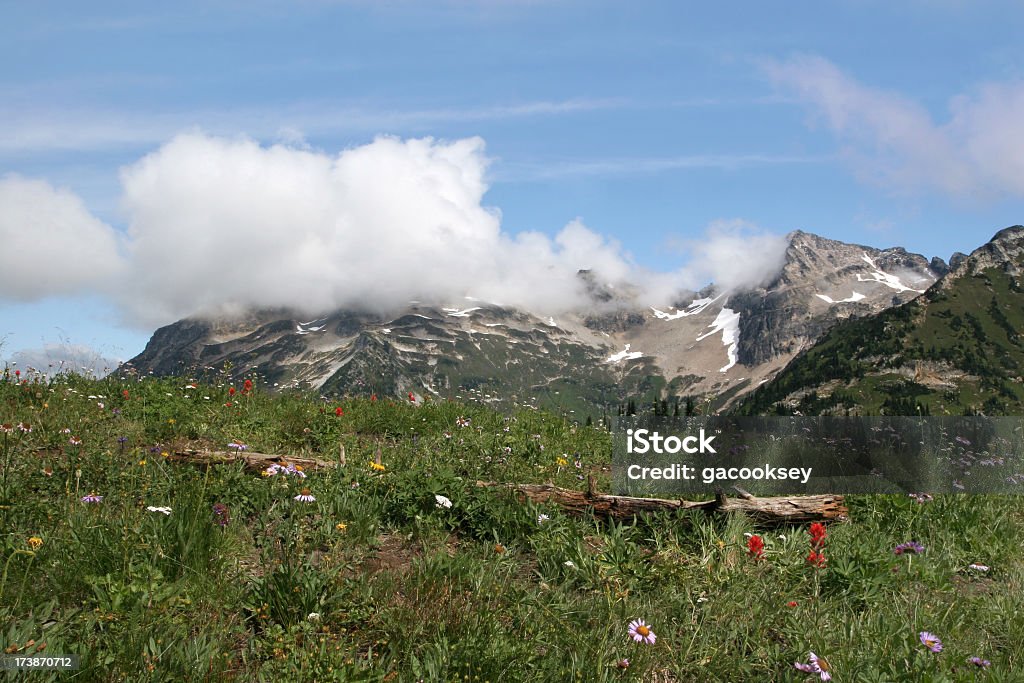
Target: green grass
{"type": "Point", "coordinates": [374, 581]}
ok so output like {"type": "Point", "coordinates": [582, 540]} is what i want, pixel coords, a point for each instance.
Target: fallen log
{"type": "Point", "coordinates": [251, 460]}
{"type": "Point", "coordinates": [766, 511]}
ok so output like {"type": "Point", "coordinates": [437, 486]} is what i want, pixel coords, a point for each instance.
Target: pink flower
{"type": "Point", "coordinates": [641, 632]}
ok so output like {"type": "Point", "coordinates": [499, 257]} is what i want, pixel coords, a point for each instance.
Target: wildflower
{"type": "Point", "coordinates": [570, 564]}
{"type": "Point", "coordinates": [376, 466]}
{"type": "Point", "coordinates": [238, 447]}
{"type": "Point", "coordinates": [247, 386]}
{"type": "Point", "coordinates": [142, 462]}
{"type": "Point", "coordinates": [48, 471]}
{"type": "Point", "coordinates": [35, 542]}
{"type": "Point", "coordinates": [338, 411]}
{"type": "Point", "coordinates": [921, 497]}
{"type": "Point", "coordinates": [66, 430]}
{"type": "Point", "coordinates": [791, 603]}
{"type": "Point", "coordinates": [817, 535]}
{"type": "Point", "coordinates": [221, 515]}
{"type": "Point", "coordinates": [930, 641]}
{"type": "Point", "coordinates": [122, 440]}
{"type": "Point", "coordinates": [442, 502]}
{"type": "Point", "coordinates": [25, 427]}
{"type": "Point", "coordinates": [622, 663]}
{"type": "Point", "coordinates": [171, 421]}
{"type": "Point", "coordinates": [75, 441]}
{"type": "Point", "coordinates": [313, 616]}
{"type": "Point", "coordinates": [499, 548]}
{"type": "Point", "coordinates": [228, 404]}
{"type": "Point", "coordinates": [641, 632]}
{"type": "Point", "coordinates": [412, 397]}
{"type": "Point", "coordinates": [462, 421]}
{"type": "Point", "coordinates": [818, 665]}
{"type": "Point", "coordinates": [341, 526]}
{"type": "Point", "coordinates": [125, 394]}
{"type": "Point", "coordinates": [91, 498]}
{"type": "Point", "coordinates": [355, 485]}
{"type": "Point", "coordinates": [755, 547]}
{"type": "Point", "coordinates": [908, 547]}
{"type": "Point", "coordinates": [979, 567]}
{"type": "Point", "coordinates": [231, 391]}
{"type": "Point", "coordinates": [816, 558]}
{"type": "Point", "coordinates": [561, 462]}
{"type": "Point", "coordinates": [305, 496]}
{"type": "Point", "coordinates": [373, 398]}
{"type": "Point", "coordinates": [164, 510]}
{"type": "Point", "coordinates": [6, 428]}
{"type": "Point", "coordinates": [542, 518]}
{"type": "Point", "coordinates": [979, 662]}
{"type": "Point", "coordinates": [165, 454]}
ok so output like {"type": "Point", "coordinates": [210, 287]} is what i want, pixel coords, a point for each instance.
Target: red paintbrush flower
{"type": "Point", "coordinates": [338, 411]}
{"type": "Point", "coordinates": [817, 535]}
{"type": "Point", "coordinates": [247, 387]}
{"type": "Point", "coordinates": [231, 391]}
{"type": "Point", "coordinates": [816, 559]}
{"type": "Point", "coordinates": [755, 547]}
{"type": "Point", "coordinates": [412, 397]}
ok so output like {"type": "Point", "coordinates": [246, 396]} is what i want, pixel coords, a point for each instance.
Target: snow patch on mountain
{"type": "Point", "coordinates": [311, 326]}
{"type": "Point", "coordinates": [856, 296]}
{"type": "Point", "coordinates": [882, 277]}
{"type": "Point", "coordinates": [624, 355]}
{"type": "Point", "coordinates": [728, 323]}
{"type": "Point", "coordinates": [460, 313]}
{"type": "Point", "coordinates": [696, 306]}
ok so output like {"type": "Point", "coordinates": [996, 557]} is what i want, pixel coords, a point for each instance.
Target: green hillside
{"type": "Point", "coordinates": [958, 348]}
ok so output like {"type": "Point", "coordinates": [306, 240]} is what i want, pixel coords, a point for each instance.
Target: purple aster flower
{"type": "Point", "coordinates": [221, 516]}
{"type": "Point", "coordinates": [92, 498]}
{"type": "Point", "coordinates": [818, 665]}
{"type": "Point", "coordinates": [641, 632]}
{"type": "Point", "coordinates": [930, 641]}
{"type": "Point", "coordinates": [980, 663]}
{"type": "Point", "coordinates": [908, 547]}
{"type": "Point", "coordinates": [237, 446]}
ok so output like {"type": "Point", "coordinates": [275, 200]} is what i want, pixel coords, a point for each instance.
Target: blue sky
{"type": "Point", "coordinates": [646, 121]}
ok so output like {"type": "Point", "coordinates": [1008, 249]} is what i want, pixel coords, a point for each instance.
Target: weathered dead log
{"type": "Point", "coordinates": [766, 511]}
{"type": "Point", "coordinates": [251, 460]}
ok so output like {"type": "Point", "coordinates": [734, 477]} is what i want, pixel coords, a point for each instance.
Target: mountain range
{"type": "Point", "coordinates": [753, 349]}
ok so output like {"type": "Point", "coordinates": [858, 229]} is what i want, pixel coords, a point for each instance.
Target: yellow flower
{"type": "Point", "coordinates": [35, 543]}
{"type": "Point", "coordinates": [376, 466]}
{"type": "Point", "coordinates": [142, 462]}
{"type": "Point", "coordinates": [171, 421]}
{"type": "Point", "coordinates": [165, 454]}
{"type": "Point", "coordinates": [562, 462]}
{"type": "Point", "coordinates": [341, 526]}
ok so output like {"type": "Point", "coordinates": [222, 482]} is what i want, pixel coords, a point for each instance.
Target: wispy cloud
{"type": "Point", "coordinates": [92, 130]}
{"type": "Point", "coordinates": [553, 170]}
{"type": "Point", "coordinates": [892, 140]}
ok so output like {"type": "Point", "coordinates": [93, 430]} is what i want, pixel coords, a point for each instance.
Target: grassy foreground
{"type": "Point", "coordinates": [405, 570]}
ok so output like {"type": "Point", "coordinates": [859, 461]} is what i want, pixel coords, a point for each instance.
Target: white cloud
{"type": "Point", "coordinates": [52, 245]}
{"type": "Point", "coordinates": [219, 225]}
{"type": "Point", "coordinates": [892, 140]}
{"type": "Point", "coordinates": [736, 254]}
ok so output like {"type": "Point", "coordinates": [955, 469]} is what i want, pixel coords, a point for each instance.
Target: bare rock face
{"type": "Point", "coordinates": [714, 343]}
{"type": "Point", "coordinates": [823, 281]}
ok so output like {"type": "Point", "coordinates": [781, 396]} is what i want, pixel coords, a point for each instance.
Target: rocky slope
{"type": "Point", "coordinates": [718, 344]}
{"type": "Point", "coordinates": [958, 348]}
